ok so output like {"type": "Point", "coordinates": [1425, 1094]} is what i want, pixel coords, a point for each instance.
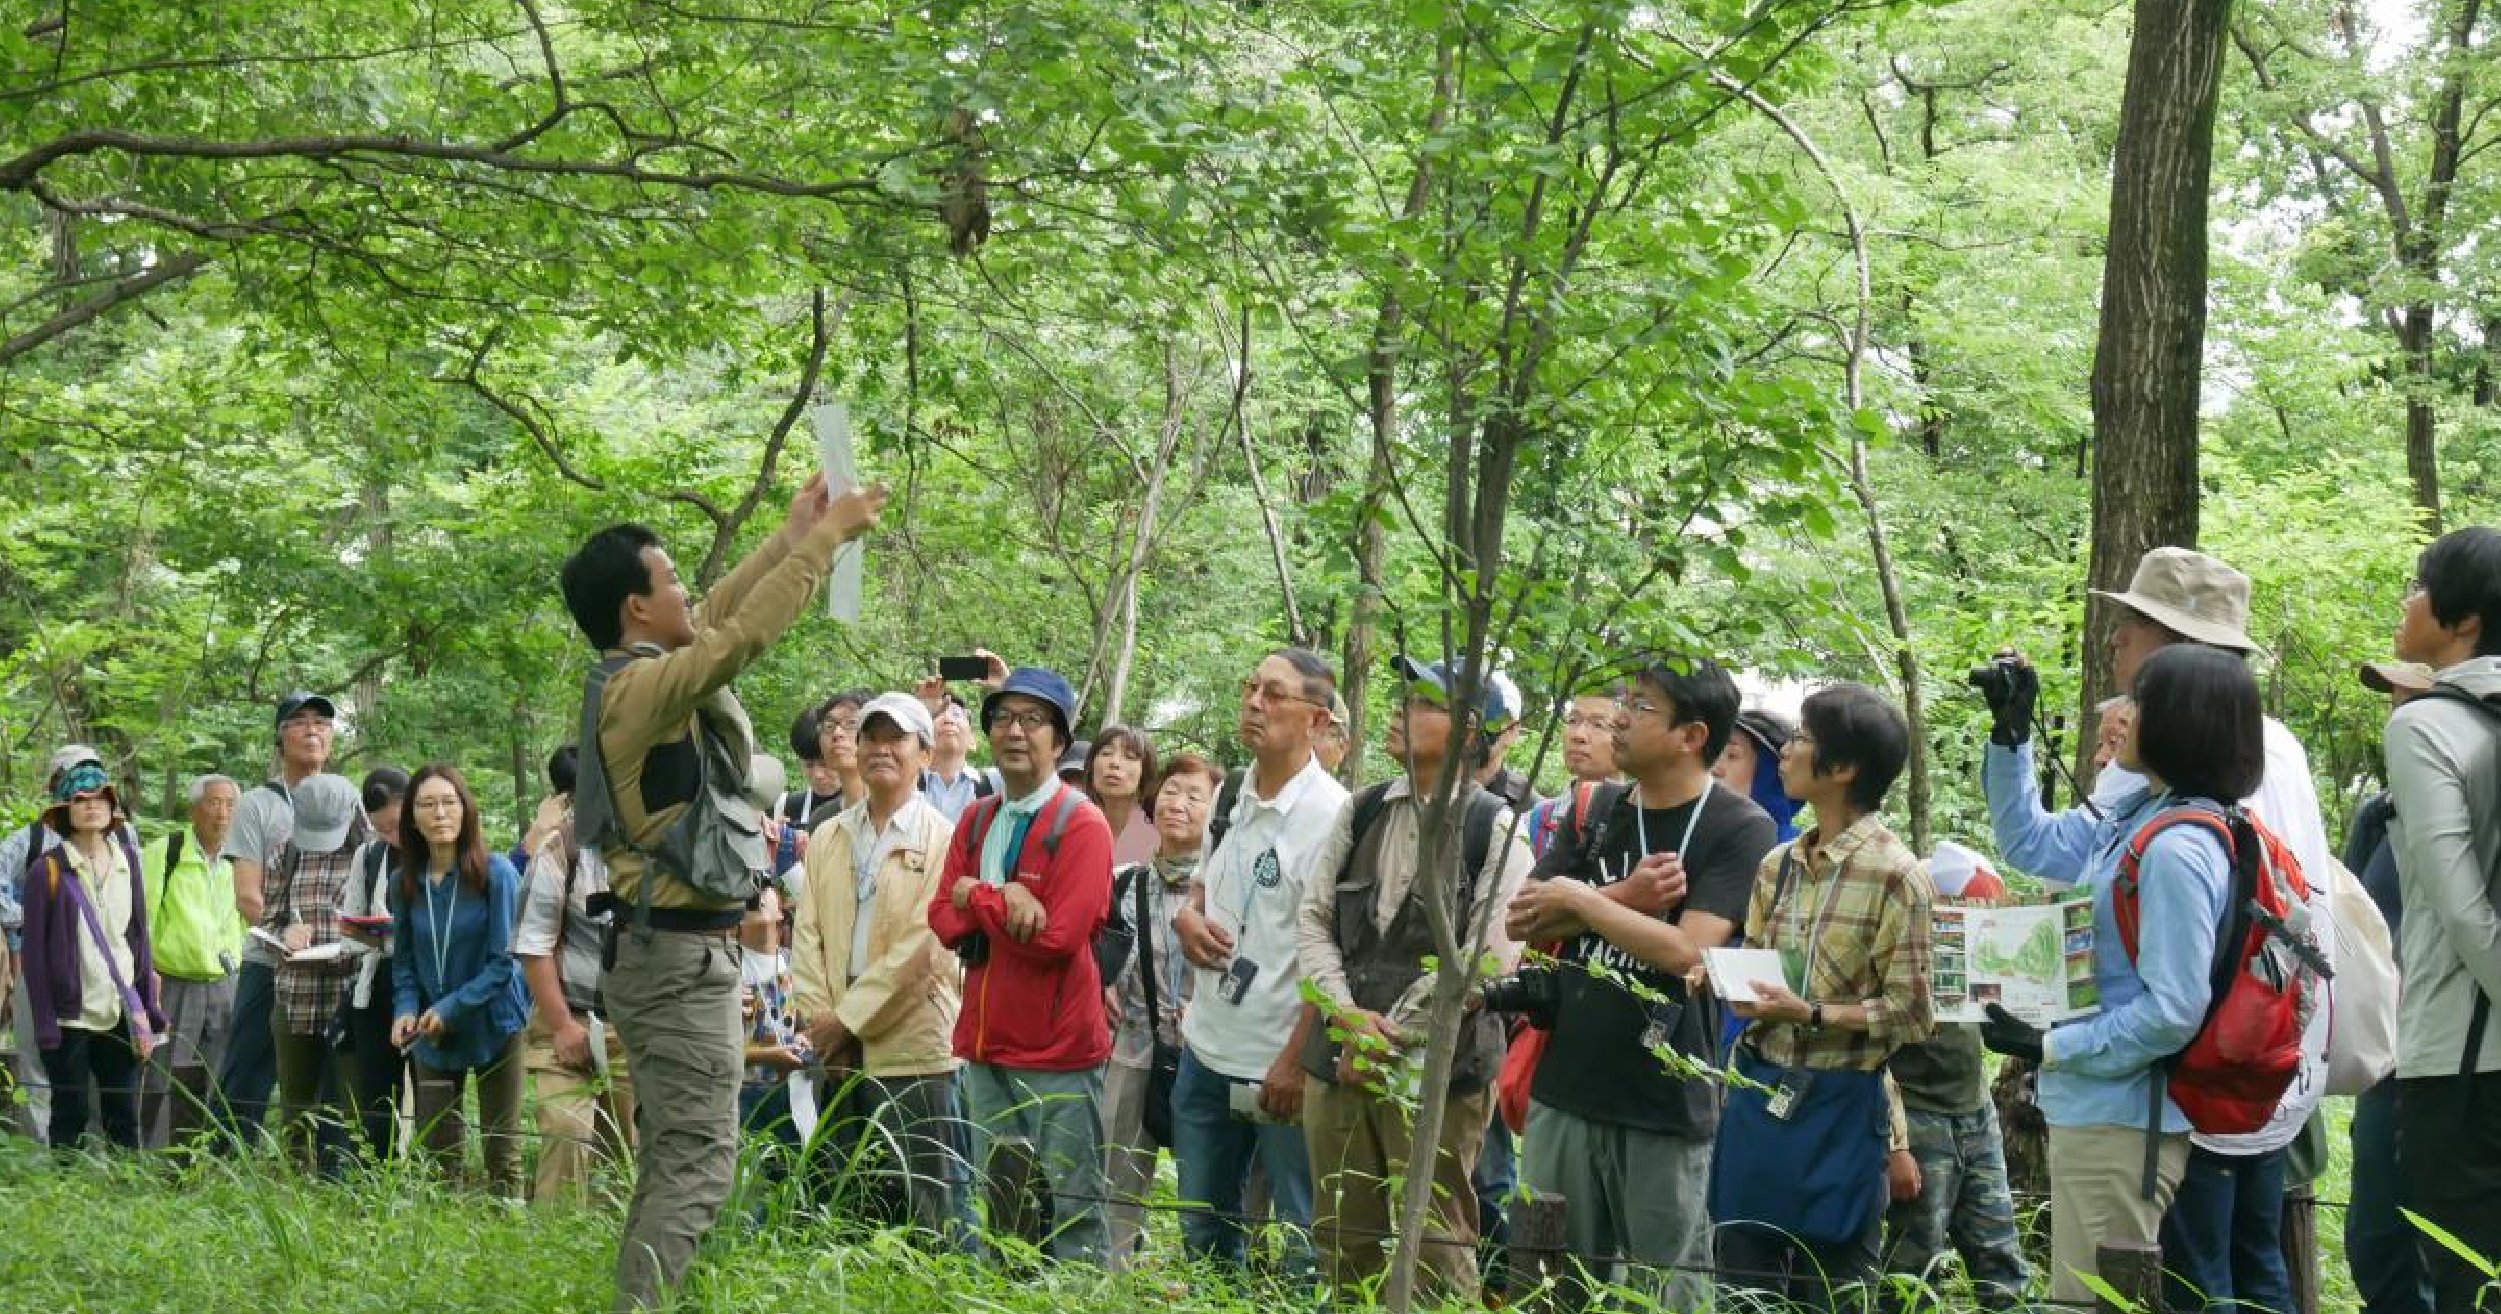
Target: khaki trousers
{"type": "Point", "coordinates": [584, 1119]}
{"type": "Point", "coordinates": [443, 1129]}
{"type": "Point", "coordinates": [1359, 1143]}
{"type": "Point", "coordinates": [2096, 1196]}
{"type": "Point", "coordinates": [675, 999]}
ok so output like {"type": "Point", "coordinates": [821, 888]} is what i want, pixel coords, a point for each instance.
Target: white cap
{"type": "Point", "coordinates": [907, 712]}
{"type": "Point", "coordinates": [766, 779]}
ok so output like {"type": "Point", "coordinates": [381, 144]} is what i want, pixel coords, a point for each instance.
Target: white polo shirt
{"type": "Point", "coordinates": [1255, 883]}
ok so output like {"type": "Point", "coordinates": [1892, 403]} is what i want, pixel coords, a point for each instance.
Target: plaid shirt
{"type": "Point", "coordinates": [1873, 948]}
{"type": "Point", "coordinates": [305, 890]}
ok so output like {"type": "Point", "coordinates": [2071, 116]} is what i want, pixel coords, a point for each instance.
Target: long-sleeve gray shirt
{"type": "Point", "coordinates": [2444, 768]}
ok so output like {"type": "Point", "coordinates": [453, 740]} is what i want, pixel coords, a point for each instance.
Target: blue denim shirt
{"type": "Point", "coordinates": [477, 991]}
{"type": "Point", "coordinates": [2099, 1070]}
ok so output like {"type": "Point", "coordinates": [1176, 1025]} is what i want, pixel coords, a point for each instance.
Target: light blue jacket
{"type": "Point", "coordinates": [2100, 1069]}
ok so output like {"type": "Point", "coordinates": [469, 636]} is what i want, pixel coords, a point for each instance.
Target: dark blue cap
{"type": "Point", "coordinates": [1037, 682]}
{"type": "Point", "coordinates": [1497, 699]}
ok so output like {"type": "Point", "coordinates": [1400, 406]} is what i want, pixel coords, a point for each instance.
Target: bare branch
{"type": "Point", "coordinates": [820, 336]}
{"type": "Point", "coordinates": [18, 173]}
{"type": "Point", "coordinates": [166, 272]}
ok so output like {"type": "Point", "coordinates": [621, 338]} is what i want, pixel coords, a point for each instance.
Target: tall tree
{"type": "Point", "coordinates": [2148, 363]}
{"type": "Point", "coordinates": [2319, 77]}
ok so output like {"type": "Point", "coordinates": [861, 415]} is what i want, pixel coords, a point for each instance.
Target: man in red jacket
{"type": "Point", "coordinates": [1027, 885]}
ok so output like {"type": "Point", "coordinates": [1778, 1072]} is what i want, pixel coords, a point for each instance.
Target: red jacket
{"type": "Point", "coordinates": [1039, 1004]}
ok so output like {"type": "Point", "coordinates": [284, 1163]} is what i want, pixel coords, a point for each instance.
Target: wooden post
{"type": "Point", "coordinates": [2299, 1235]}
{"type": "Point", "coordinates": [2132, 1269]}
{"type": "Point", "coordinates": [1540, 1263]}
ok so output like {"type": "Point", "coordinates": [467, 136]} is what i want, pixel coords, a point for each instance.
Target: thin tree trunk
{"type": "Point", "coordinates": [2147, 361]}
{"type": "Point", "coordinates": [1381, 411]}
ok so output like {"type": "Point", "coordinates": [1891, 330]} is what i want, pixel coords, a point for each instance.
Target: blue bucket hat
{"type": "Point", "coordinates": [1036, 682]}
{"type": "Point", "coordinates": [1497, 702]}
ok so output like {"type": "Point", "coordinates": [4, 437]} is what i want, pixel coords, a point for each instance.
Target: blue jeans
{"type": "Point", "coordinates": [1213, 1151]}
{"type": "Point", "coordinates": [1496, 1179]}
{"type": "Point", "coordinates": [2222, 1246]}
{"type": "Point", "coordinates": [2380, 1245]}
{"type": "Point", "coordinates": [250, 1070]}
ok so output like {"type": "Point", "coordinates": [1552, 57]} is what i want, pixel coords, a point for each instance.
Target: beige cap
{"type": "Point", "coordinates": [2396, 677]}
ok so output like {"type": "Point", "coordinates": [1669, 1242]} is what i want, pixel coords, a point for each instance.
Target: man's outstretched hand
{"type": "Point", "coordinates": [855, 510]}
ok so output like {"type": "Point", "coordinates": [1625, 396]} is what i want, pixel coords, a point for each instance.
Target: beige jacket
{"type": "Point", "coordinates": [903, 1006]}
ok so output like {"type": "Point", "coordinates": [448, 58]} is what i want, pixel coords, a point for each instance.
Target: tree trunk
{"type": "Point", "coordinates": [2147, 362]}
{"type": "Point", "coordinates": [2422, 440]}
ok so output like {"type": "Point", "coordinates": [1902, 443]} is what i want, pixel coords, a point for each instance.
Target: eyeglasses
{"type": "Point", "coordinates": [1640, 706]}
{"type": "Point", "coordinates": [1256, 694]}
{"type": "Point", "coordinates": [1025, 721]}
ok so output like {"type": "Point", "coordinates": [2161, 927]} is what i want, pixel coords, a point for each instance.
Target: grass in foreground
{"type": "Point", "coordinates": [132, 1236]}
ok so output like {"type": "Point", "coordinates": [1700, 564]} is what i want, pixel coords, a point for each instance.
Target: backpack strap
{"type": "Point", "coordinates": [1476, 838]}
{"type": "Point", "coordinates": [1220, 820]}
{"type": "Point", "coordinates": [165, 878]}
{"type": "Point", "coordinates": [1593, 813]}
{"type": "Point", "coordinates": [2123, 892]}
{"type": "Point", "coordinates": [974, 831]}
{"type": "Point", "coordinates": [1062, 808]}
{"type": "Point", "coordinates": [1368, 806]}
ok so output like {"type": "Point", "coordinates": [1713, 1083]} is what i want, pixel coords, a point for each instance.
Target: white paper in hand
{"type": "Point", "coordinates": [1733, 972]}
{"type": "Point", "coordinates": [844, 584]}
{"type": "Point", "coordinates": [803, 1111]}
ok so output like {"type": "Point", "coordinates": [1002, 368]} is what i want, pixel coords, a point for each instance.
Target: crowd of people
{"type": "Point", "coordinates": [888, 981]}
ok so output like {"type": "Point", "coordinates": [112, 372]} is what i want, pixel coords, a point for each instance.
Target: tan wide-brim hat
{"type": "Point", "coordinates": [2192, 595]}
{"type": "Point", "coordinates": [2398, 677]}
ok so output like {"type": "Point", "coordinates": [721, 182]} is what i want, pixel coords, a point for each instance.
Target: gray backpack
{"type": "Point", "coordinates": [716, 845]}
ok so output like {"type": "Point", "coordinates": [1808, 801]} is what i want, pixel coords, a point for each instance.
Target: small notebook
{"type": "Point", "coordinates": [1733, 972]}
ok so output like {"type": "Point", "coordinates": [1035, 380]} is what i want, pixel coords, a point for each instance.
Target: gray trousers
{"type": "Point", "coordinates": [1060, 1114]}
{"type": "Point", "coordinates": [35, 1115]}
{"type": "Point", "coordinates": [1637, 1194]}
{"type": "Point", "coordinates": [675, 1002]}
{"type": "Point", "coordinates": [180, 1083]}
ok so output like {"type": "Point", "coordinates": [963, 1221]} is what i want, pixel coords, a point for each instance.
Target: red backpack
{"type": "Point", "coordinates": [2268, 975]}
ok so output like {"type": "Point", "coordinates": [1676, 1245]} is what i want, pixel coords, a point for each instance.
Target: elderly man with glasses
{"type": "Point", "coordinates": [1239, 1093]}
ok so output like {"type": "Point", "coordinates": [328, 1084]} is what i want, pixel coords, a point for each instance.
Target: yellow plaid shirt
{"type": "Point", "coordinates": [1872, 948]}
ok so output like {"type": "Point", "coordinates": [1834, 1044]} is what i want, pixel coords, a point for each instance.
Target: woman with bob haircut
{"type": "Point", "coordinates": [458, 1003]}
{"type": "Point", "coordinates": [1120, 778]}
{"type": "Point", "coordinates": [2198, 739]}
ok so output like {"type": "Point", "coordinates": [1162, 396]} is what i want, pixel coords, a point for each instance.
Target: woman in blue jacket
{"type": "Point", "coordinates": [2198, 738]}
{"type": "Point", "coordinates": [458, 999]}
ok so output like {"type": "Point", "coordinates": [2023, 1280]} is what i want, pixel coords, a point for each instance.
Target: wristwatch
{"type": "Point", "coordinates": [1815, 1017]}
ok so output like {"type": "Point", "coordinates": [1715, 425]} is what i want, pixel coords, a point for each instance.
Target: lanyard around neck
{"type": "Point", "coordinates": [1641, 823]}
{"type": "Point", "coordinates": [439, 924]}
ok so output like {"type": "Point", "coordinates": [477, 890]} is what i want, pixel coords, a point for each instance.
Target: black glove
{"type": "Point", "coordinates": [2010, 1035]}
{"type": "Point", "coordinates": [2011, 694]}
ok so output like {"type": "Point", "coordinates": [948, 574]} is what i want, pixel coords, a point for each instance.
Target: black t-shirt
{"type": "Point", "coordinates": [1595, 1066]}
{"type": "Point", "coordinates": [1941, 1074]}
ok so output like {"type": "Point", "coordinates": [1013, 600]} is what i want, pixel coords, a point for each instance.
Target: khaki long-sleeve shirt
{"type": "Point", "coordinates": [650, 703]}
